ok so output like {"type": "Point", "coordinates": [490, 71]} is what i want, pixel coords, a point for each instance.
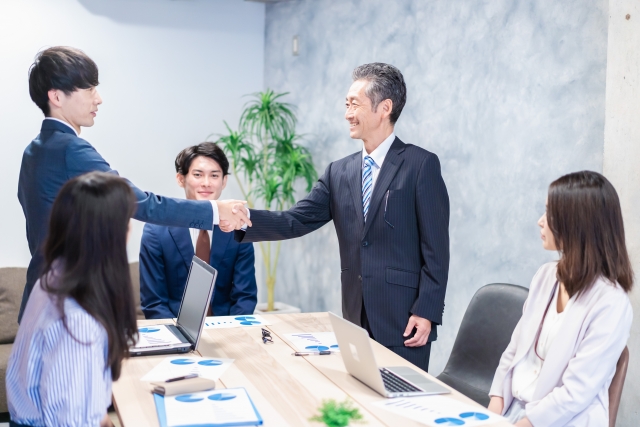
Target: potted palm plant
{"type": "Point", "coordinates": [267, 160]}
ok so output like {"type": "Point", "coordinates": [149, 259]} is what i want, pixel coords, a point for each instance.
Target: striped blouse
{"type": "Point", "coordinates": [55, 376]}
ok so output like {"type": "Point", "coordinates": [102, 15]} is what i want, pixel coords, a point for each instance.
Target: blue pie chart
{"type": "Point", "coordinates": [188, 398]}
{"type": "Point", "coordinates": [247, 320]}
{"type": "Point", "coordinates": [147, 330]}
{"type": "Point", "coordinates": [449, 422]}
{"type": "Point", "coordinates": [317, 347]}
{"type": "Point", "coordinates": [335, 346]}
{"type": "Point", "coordinates": [222, 396]}
{"type": "Point", "coordinates": [210, 363]}
{"type": "Point", "coordinates": [474, 416]}
{"type": "Point", "coordinates": [182, 361]}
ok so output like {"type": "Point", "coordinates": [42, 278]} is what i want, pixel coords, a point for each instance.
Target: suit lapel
{"type": "Point", "coordinates": [182, 239]}
{"type": "Point", "coordinates": [219, 243]}
{"type": "Point", "coordinates": [388, 171]}
{"type": "Point", "coordinates": [354, 178]}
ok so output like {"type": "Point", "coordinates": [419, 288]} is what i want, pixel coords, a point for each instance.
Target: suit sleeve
{"type": "Point", "coordinates": [81, 157]}
{"type": "Point", "coordinates": [154, 289]}
{"type": "Point", "coordinates": [432, 205]}
{"type": "Point", "coordinates": [589, 370]}
{"type": "Point", "coordinates": [306, 216]}
{"type": "Point", "coordinates": [244, 292]}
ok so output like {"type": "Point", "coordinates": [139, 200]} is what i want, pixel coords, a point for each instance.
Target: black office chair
{"type": "Point", "coordinates": [484, 334]}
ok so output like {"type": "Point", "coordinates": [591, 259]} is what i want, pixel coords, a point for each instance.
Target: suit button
{"type": "Point", "coordinates": [365, 243]}
{"type": "Point", "coordinates": [360, 277]}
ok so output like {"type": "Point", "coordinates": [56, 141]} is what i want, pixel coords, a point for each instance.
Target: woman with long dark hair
{"type": "Point", "coordinates": [575, 323]}
{"type": "Point", "coordinates": [80, 318]}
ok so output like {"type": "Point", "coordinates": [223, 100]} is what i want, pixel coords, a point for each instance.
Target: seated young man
{"type": "Point", "coordinates": [166, 252]}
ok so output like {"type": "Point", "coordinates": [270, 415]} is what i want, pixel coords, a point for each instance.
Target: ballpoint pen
{"type": "Point", "coordinates": [186, 377]}
{"type": "Point", "coordinates": [386, 199]}
{"type": "Point", "coordinates": [313, 353]}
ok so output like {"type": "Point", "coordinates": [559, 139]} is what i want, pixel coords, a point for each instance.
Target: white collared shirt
{"type": "Point", "coordinates": [63, 122]}
{"type": "Point", "coordinates": [378, 155]}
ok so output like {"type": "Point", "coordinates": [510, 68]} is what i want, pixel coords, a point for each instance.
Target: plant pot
{"type": "Point", "coordinates": [280, 308]}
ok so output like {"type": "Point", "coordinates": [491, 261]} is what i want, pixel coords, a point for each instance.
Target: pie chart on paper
{"type": "Point", "coordinates": [148, 330]}
{"type": "Point", "coordinates": [474, 416]}
{"type": "Point", "coordinates": [248, 320]}
{"type": "Point", "coordinates": [222, 396]}
{"type": "Point", "coordinates": [210, 362]}
{"type": "Point", "coordinates": [449, 422]}
{"type": "Point", "coordinates": [188, 398]}
{"type": "Point", "coordinates": [182, 362]}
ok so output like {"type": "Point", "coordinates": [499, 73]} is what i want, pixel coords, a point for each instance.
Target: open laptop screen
{"type": "Point", "coordinates": [195, 299]}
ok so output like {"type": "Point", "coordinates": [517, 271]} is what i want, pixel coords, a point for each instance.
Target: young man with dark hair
{"type": "Point", "coordinates": [166, 252]}
{"type": "Point", "coordinates": [62, 83]}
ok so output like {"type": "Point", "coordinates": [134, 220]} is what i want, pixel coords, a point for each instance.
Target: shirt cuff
{"type": "Point", "coordinates": [244, 227]}
{"type": "Point", "coordinates": [216, 216]}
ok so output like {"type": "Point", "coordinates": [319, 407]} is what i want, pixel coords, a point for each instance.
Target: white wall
{"type": "Point", "coordinates": [170, 72]}
{"type": "Point", "coordinates": [621, 157]}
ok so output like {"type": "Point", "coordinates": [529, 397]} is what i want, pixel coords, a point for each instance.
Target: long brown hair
{"type": "Point", "coordinates": [585, 218]}
{"type": "Point", "coordinates": [88, 241]}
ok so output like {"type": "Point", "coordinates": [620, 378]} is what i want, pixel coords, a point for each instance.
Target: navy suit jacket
{"type": "Point", "coordinates": [165, 257]}
{"type": "Point", "coordinates": [397, 262]}
{"type": "Point", "coordinates": [56, 156]}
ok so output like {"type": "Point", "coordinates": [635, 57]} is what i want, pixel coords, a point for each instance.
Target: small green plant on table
{"type": "Point", "coordinates": [337, 414]}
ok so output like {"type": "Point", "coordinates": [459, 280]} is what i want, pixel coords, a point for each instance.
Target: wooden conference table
{"type": "Point", "coordinates": [286, 389]}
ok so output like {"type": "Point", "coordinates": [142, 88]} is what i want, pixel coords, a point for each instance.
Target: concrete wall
{"type": "Point", "coordinates": [621, 158]}
{"type": "Point", "coordinates": [510, 95]}
{"type": "Point", "coordinates": [170, 72]}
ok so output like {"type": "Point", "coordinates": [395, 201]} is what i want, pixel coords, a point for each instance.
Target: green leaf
{"type": "Point", "coordinates": [337, 414]}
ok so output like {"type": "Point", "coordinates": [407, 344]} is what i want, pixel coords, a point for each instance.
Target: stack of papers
{"type": "Point", "coordinates": [213, 408]}
{"type": "Point", "coordinates": [173, 367]}
{"type": "Point", "coordinates": [149, 336]}
{"type": "Point", "coordinates": [440, 411]}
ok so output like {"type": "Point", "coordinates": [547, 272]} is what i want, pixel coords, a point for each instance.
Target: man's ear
{"type": "Point", "coordinates": [54, 97]}
{"type": "Point", "coordinates": [387, 108]}
{"type": "Point", "coordinates": [180, 180]}
{"type": "Point", "coordinates": [224, 182]}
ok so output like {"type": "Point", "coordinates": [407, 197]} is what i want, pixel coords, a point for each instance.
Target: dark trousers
{"type": "Point", "coordinates": [419, 356]}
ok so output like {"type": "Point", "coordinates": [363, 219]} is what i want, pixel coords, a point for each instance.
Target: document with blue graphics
{"type": "Point", "coordinates": [214, 408]}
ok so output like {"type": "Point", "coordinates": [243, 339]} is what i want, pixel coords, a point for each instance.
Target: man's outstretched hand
{"type": "Point", "coordinates": [423, 329]}
{"type": "Point", "coordinates": [232, 215]}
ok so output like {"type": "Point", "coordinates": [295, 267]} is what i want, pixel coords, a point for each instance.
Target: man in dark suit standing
{"type": "Point", "coordinates": [63, 84]}
{"type": "Point", "coordinates": [166, 252]}
{"type": "Point", "coordinates": [390, 208]}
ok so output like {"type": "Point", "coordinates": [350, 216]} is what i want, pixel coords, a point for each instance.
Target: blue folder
{"type": "Point", "coordinates": [162, 415]}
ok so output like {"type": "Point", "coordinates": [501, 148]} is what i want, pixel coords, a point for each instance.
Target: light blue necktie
{"type": "Point", "coordinates": [367, 184]}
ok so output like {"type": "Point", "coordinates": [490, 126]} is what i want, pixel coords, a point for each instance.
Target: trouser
{"type": "Point", "coordinates": [419, 356]}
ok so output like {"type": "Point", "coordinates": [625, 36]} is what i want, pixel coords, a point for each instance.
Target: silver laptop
{"type": "Point", "coordinates": [184, 335]}
{"type": "Point", "coordinates": [358, 358]}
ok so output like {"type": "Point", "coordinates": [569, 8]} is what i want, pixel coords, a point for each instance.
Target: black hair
{"type": "Point", "coordinates": [384, 82]}
{"type": "Point", "coordinates": [60, 67]}
{"type": "Point", "coordinates": [87, 239]}
{"type": "Point", "coordinates": [207, 149]}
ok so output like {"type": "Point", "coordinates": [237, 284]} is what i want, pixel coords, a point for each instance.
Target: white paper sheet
{"type": "Point", "coordinates": [156, 335]}
{"type": "Point", "coordinates": [173, 367]}
{"type": "Point", "coordinates": [314, 341]}
{"type": "Point", "coordinates": [439, 411]}
{"type": "Point", "coordinates": [225, 406]}
{"type": "Point", "coordinates": [214, 322]}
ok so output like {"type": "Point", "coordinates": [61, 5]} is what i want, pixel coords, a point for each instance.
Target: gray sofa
{"type": "Point", "coordinates": [12, 280]}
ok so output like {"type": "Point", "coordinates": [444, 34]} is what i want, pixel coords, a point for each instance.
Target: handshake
{"type": "Point", "coordinates": [232, 215]}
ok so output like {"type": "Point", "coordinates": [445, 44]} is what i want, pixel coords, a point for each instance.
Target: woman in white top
{"type": "Point", "coordinates": [575, 323]}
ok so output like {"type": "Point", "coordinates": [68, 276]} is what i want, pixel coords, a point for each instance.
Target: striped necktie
{"type": "Point", "coordinates": [367, 184]}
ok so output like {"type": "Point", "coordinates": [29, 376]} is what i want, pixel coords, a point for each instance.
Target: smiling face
{"type": "Point", "coordinates": [79, 108]}
{"type": "Point", "coordinates": [548, 241]}
{"type": "Point", "coordinates": [205, 180]}
{"type": "Point", "coordinates": [364, 123]}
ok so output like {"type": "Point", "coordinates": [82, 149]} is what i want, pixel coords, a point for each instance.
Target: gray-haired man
{"type": "Point", "coordinates": [390, 208]}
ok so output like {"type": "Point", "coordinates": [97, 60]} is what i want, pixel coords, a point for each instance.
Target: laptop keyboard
{"type": "Point", "coordinates": [395, 384]}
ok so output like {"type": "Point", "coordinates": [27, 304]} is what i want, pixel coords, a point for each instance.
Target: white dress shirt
{"type": "Point", "coordinates": [527, 371]}
{"type": "Point", "coordinates": [378, 156]}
